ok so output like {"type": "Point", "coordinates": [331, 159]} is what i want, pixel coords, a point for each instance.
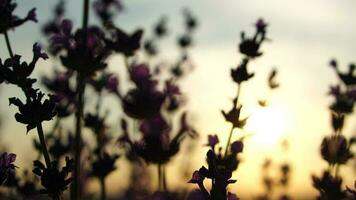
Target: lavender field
{"type": "Point", "coordinates": [177, 100]}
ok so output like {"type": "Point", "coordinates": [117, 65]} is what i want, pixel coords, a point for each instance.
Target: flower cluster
{"type": "Point", "coordinates": [7, 166]}
{"type": "Point", "coordinates": [84, 51]}
{"type": "Point", "coordinates": [220, 168]}
{"type": "Point", "coordinates": [336, 148]}
{"type": "Point", "coordinates": [10, 21]}
{"type": "Point", "coordinates": [15, 72]}
{"type": "Point", "coordinates": [34, 111]}
{"type": "Point", "coordinates": [106, 9]}
{"type": "Point", "coordinates": [54, 180]}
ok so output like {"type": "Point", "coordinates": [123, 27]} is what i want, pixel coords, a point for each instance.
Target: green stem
{"type": "Point", "coordinates": [102, 189]}
{"type": "Point", "coordinates": [8, 44]}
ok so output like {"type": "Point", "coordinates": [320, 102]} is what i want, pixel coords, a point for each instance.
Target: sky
{"type": "Point", "coordinates": [304, 35]}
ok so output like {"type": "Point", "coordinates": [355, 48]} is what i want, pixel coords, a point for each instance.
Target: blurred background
{"type": "Point", "coordinates": [304, 35]}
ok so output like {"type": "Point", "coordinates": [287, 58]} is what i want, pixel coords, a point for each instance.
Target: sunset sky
{"type": "Point", "coordinates": [304, 35]}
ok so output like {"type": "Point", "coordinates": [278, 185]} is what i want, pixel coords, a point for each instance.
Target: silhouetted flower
{"type": "Point", "coordinates": [233, 116]}
{"type": "Point", "coordinates": [54, 181]}
{"type": "Point", "coordinates": [94, 122]}
{"type": "Point", "coordinates": [103, 165]}
{"type": "Point", "coordinates": [328, 186]}
{"type": "Point", "coordinates": [106, 81]}
{"type": "Point", "coordinates": [236, 147]}
{"type": "Point", "coordinates": [16, 72]}
{"type": "Point", "coordinates": [336, 150]}
{"type": "Point", "coordinates": [34, 111]}
{"type": "Point", "coordinates": [145, 100]}
{"type": "Point", "coordinates": [11, 21]}
{"type": "Point", "coordinates": [261, 26]}
{"type": "Point", "coordinates": [53, 25]}
{"type": "Point", "coordinates": [344, 100]}
{"type": "Point", "coordinates": [250, 46]}
{"type": "Point", "coordinates": [348, 78]}
{"type": "Point", "coordinates": [7, 166]}
{"type": "Point", "coordinates": [240, 74]}
{"type": "Point", "coordinates": [156, 145]}
{"type": "Point", "coordinates": [65, 95]}
{"type": "Point", "coordinates": [220, 168]}
{"type": "Point", "coordinates": [124, 43]}
{"type": "Point", "coordinates": [185, 41]}
{"type": "Point", "coordinates": [85, 50]}
{"type": "Point", "coordinates": [160, 28]}
{"type": "Point", "coordinates": [272, 83]}
{"type": "Point", "coordinates": [337, 121]}
{"type": "Point", "coordinates": [190, 21]}
{"type": "Point", "coordinates": [106, 9]}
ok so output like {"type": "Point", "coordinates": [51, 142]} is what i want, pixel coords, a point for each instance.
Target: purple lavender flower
{"type": "Point", "coordinates": [85, 51]}
{"type": "Point", "coordinates": [212, 141]}
{"type": "Point", "coordinates": [6, 166]}
{"type": "Point", "coordinates": [261, 25]}
{"type": "Point", "coordinates": [11, 21]}
{"type": "Point", "coordinates": [107, 81]}
{"type": "Point", "coordinates": [197, 178]}
{"type": "Point", "coordinates": [145, 100]}
{"type": "Point", "coordinates": [65, 95]}
{"type": "Point", "coordinates": [236, 147]}
{"type": "Point", "coordinates": [104, 165]}
{"type": "Point", "coordinates": [106, 9]}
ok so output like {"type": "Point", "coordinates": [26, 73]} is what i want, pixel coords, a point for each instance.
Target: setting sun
{"type": "Point", "coordinates": [267, 125]}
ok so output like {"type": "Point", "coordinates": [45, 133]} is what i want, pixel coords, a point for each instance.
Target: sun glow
{"type": "Point", "coordinates": [267, 125]}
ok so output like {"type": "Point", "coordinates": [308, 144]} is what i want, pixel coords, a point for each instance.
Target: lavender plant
{"type": "Point", "coordinates": [336, 148]}
{"type": "Point", "coordinates": [221, 165]}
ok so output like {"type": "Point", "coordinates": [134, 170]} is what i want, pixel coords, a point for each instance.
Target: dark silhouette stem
{"type": "Point", "coordinates": [8, 44]}
{"type": "Point", "coordinates": [76, 193]}
{"type": "Point", "coordinates": [102, 189]}
{"type": "Point", "coordinates": [228, 140]}
{"type": "Point", "coordinates": [85, 14]}
{"type": "Point", "coordinates": [232, 127]}
{"type": "Point", "coordinates": [45, 151]}
{"type": "Point", "coordinates": [43, 145]}
{"type": "Point", "coordinates": [164, 180]}
{"type": "Point", "coordinates": [159, 177]}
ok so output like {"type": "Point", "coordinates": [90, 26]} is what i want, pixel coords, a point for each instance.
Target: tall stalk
{"type": "Point", "coordinates": [39, 125]}
{"type": "Point", "coordinates": [7, 40]}
{"type": "Point", "coordinates": [102, 189]}
{"type": "Point", "coordinates": [232, 126]}
{"type": "Point", "coordinates": [76, 193]}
